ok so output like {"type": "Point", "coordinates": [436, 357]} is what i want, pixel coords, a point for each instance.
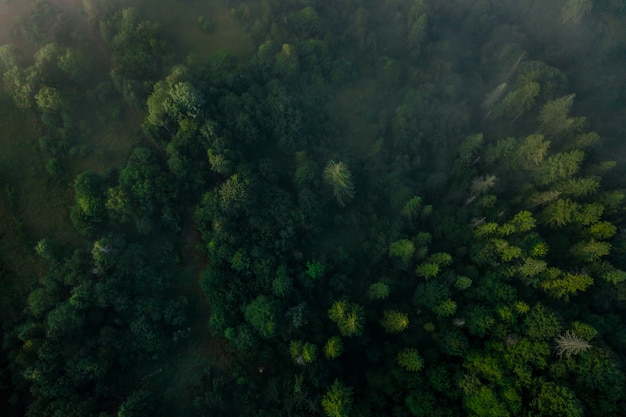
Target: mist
{"type": "Point", "coordinates": [296, 207]}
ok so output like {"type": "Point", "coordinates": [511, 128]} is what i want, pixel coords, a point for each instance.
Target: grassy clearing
{"type": "Point", "coordinates": [183, 24]}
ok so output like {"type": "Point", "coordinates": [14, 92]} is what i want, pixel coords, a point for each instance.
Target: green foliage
{"type": "Point", "coordinates": [349, 317]}
{"type": "Point", "coordinates": [427, 270]}
{"type": "Point", "coordinates": [560, 213]}
{"type": "Point", "coordinates": [282, 285]}
{"type": "Point", "coordinates": [565, 284]}
{"type": "Point", "coordinates": [234, 191]}
{"type": "Point", "coordinates": [333, 347]}
{"type": "Point", "coordinates": [338, 400]}
{"type": "Point", "coordinates": [554, 116]}
{"type": "Point", "coordinates": [402, 251]}
{"type": "Point", "coordinates": [261, 314]}
{"type": "Point", "coordinates": [446, 309]}
{"type": "Point", "coordinates": [479, 320]}
{"type": "Point", "coordinates": [410, 360]}
{"type": "Point", "coordinates": [45, 249]}
{"type": "Point", "coordinates": [230, 180]}
{"type": "Point", "coordinates": [302, 353]}
{"type": "Point", "coordinates": [10, 57]}
{"type": "Point", "coordinates": [541, 323]}
{"type": "Point", "coordinates": [462, 283]}
{"type": "Point", "coordinates": [378, 291]}
{"type": "Point", "coordinates": [484, 402]}
{"type": "Point", "coordinates": [412, 208]}
{"type": "Point", "coordinates": [315, 270]}
{"type": "Point", "coordinates": [591, 250]}
{"type": "Point", "coordinates": [394, 322]}
{"type": "Point", "coordinates": [556, 400]}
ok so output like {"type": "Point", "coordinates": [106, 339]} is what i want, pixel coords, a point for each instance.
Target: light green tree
{"type": "Point", "coordinates": [561, 166]}
{"type": "Point", "coordinates": [567, 284]}
{"type": "Point", "coordinates": [337, 402]}
{"type": "Point", "coordinates": [427, 270]}
{"type": "Point", "coordinates": [556, 401]}
{"type": "Point", "coordinates": [49, 99]}
{"type": "Point", "coordinates": [394, 322]}
{"type": "Point", "coordinates": [554, 116]}
{"type": "Point", "coordinates": [234, 191]}
{"type": "Point", "coordinates": [350, 317]}
{"type": "Point", "coordinates": [261, 314]}
{"type": "Point", "coordinates": [446, 308]}
{"type": "Point", "coordinates": [531, 152]}
{"type": "Point", "coordinates": [591, 250]}
{"type": "Point", "coordinates": [333, 347]}
{"type": "Point", "coordinates": [402, 251]}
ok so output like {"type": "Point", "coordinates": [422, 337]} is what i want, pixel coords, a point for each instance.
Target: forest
{"type": "Point", "coordinates": [353, 208]}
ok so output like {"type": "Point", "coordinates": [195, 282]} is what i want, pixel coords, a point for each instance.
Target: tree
{"type": "Point", "coordinates": [378, 291]}
{"type": "Point", "coordinates": [412, 209]}
{"type": "Point", "coordinates": [554, 116]}
{"type": "Point", "coordinates": [531, 152]}
{"type": "Point", "coordinates": [427, 270]}
{"type": "Point", "coordinates": [394, 322]}
{"type": "Point", "coordinates": [561, 166]}
{"type": "Point", "coordinates": [567, 284]}
{"type": "Point", "coordinates": [186, 100]}
{"type": "Point", "coordinates": [337, 402]}
{"type": "Point", "coordinates": [338, 176]}
{"type": "Point", "coordinates": [49, 99]}
{"type": "Point", "coordinates": [410, 360]}
{"type": "Point", "coordinates": [484, 402]}
{"type": "Point", "coordinates": [519, 101]}
{"type": "Point", "coordinates": [261, 314]}
{"type": "Point", "coordinates": [282, 285]}
{"type": "Point", "coordinates": [348, 316]}
{"type": "Point", "coordinates": [570, 343]}
{"type": "Point", "coordinates": [446, 309]}
{"type": "Point", "coordinates": [481, 185]}
{"type": "Point", "coordinates": [302, 353]}
{"type": "Point", "coordinates": [560, 213]}
{"type": "Point", "coordinates": [139, 403]}
{"type": "Point", "coordinates": [402, 251]}
{"type": "Point", "coordinates": [234, 191]}
{"type": "Point", "coordinates": [591, 250]}
{"type": "Point", "coordinates": [10, 56]}
{"type": "Point", "coordinates": [333, 347]}
{"type": "Point", "coordinates": [74, 65]}
{"type": "Point", "coordinates": [554, 400]}
{"type": "Point", "coordinates": [574, 10]}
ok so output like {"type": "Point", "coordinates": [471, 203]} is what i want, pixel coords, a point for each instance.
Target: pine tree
{"type": "Point", "coordinates": [394, 322]}
{"type": "Point", "coordinates": [410, 359]}
{"type": "Point", "coordinates": [337, 402]}
{"type": "Point", "coordinates": [333, 347]}
{"type": "Point", "coordinates": [378, 291]}
{"type": "Point", "coordinates": [554, 116]}
{"type": "Point", "coordinates": [574, 10]}
{"type": "Point", "coordinates": [337, 175]}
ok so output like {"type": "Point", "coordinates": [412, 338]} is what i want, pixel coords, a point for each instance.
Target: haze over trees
{"type": "Point", "coordinates": [399, 208]}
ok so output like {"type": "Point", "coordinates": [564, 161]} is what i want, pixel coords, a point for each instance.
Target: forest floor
{"type": "Point", "coordinates": [31, 206]}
